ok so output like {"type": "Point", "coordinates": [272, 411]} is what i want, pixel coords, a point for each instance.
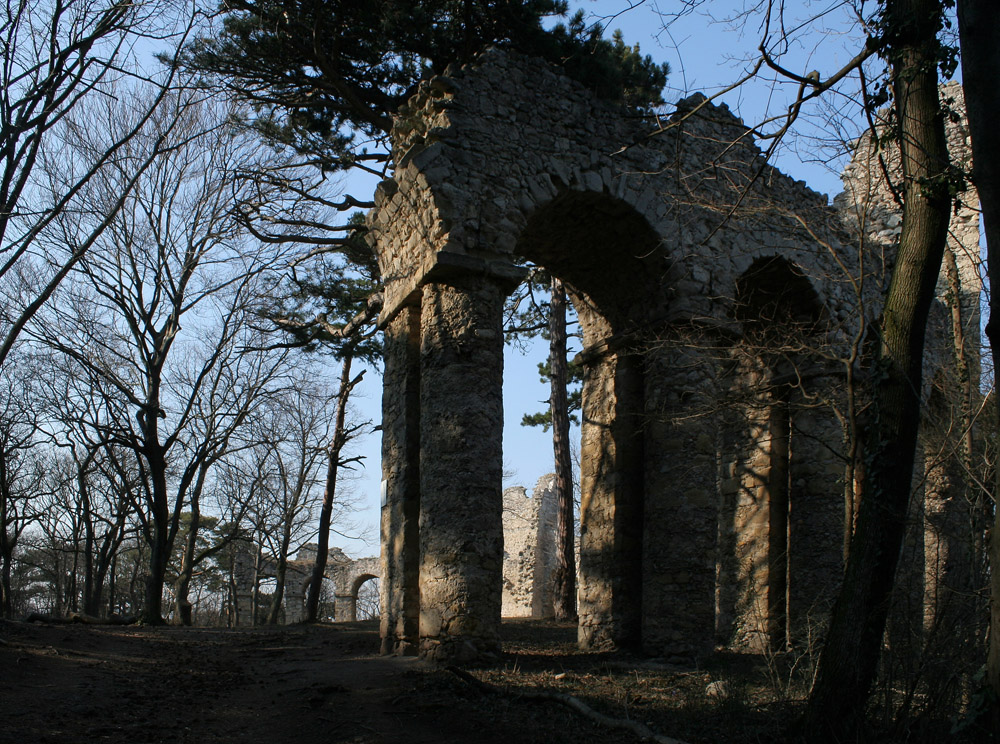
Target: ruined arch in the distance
{"type": "Point", "coordinates": [506, 159]}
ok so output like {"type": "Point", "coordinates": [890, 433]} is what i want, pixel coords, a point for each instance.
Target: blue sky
{"type": "Point", "coordinates": [706, 53]}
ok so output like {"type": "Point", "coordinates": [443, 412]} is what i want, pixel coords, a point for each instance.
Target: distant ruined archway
{"type": "Point", "coordinates": [346, 574]}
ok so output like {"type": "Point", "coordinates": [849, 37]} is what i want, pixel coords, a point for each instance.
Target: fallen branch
{"type": "Point", "coordinates": [639, 729]}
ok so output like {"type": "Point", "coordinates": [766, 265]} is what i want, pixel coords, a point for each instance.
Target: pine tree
{"type": "Point", "coordinates": [325, 78]}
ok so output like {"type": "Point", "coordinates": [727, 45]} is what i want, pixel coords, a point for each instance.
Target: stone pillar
{"type": "Point", "coordinates": [345, 608]}
{"type": "Point", "coordinates": [732, 449]}
{"type": "Point", "coordinates": [611, 540]}
{"type": "Point", "coordinates": [815, 518]}
{"type": "Point", "coordinates": [761, 527]}
{"type": "Point", "coordinates": [680, 517]}
{"type": "Point", "coordinates": [399, 590]}
{"type": "Point", "coordinates": [949, 529]}
{"type": "Point", "coordinates": [296, 586]}
{"type": "Point", "coordinates": [243, 581]}
{"type": "Point", "coordinates": [244, 608]}
{"type": "Point", "coordinates": [461, 431]}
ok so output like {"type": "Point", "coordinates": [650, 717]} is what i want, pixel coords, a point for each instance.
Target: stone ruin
{"type": "Point", "coordinates": [346, 574]}
{"type": "Point", "coordinates": [529, 530]}
{"type": "Point", "coordinates": [529, 550]}
{"type": "Point", "coordinates": [718, 301]}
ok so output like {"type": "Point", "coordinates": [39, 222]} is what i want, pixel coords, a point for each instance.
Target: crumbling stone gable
{"type": "Point", "coordinates": [712, 471]}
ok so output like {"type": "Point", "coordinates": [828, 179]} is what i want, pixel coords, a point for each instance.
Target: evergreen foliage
{"type": "Point", "coordinates": [328, 294]}
{"type": "Point", "coordinates": [325, 77]}
{"type": "Point", "coordinates": [574, 396]}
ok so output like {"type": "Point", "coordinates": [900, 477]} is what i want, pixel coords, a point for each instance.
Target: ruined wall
{"type": "Point", "coordinates": [529, 550]}
{"type": "Point", "coordinates": [346, 574]}
{"type": "Point", "coordinates": [712, 454]}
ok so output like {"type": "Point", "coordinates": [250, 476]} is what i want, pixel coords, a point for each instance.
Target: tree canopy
{"type": "Point", "coordinates": [325, 77]}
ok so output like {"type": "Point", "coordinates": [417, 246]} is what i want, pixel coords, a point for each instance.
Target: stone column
{"type": "Point", "coordinates": [399, 590]}
{"type": "Point", "coordinates": [732, 451]}
{"type": "Point", "coordinates": [461, 431]}
{"type": "Point", "coordinates": [681, 509]}
{"type": "Point", "coordinates": [815, 517]}
{"type": "Point", "coordinates": [949, 530]}
{"type": "Point", "coordinates": [244, 608]}
{"type": "Point", "coordinates": [243, 581]}
{"type": "Point", "coordinates": [345, 608]}
{"type": "Point", "coordinates": [611, 539]}
{"type": "Point", "coordinates": [760, 523]}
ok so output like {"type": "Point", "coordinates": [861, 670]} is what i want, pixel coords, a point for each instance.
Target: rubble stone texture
{"type": "Point", "coordinates": [718, 300]}
{"type": "Point", "coordinates": [529, 550]}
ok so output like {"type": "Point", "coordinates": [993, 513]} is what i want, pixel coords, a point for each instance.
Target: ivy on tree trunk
{"type": "Point", "coordinates": [979, 37]}
{"type": "Point", "coordinates": [849, 659]}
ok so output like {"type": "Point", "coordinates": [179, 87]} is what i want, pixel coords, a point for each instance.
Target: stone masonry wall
{"type": "Point", "coordinates": [529, 550]}
{"type": "Point", "coordinates": [681, 248]}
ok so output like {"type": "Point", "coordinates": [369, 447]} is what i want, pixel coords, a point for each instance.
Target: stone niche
{"type": "Point", "coordinates": [718, 301]}
{"type": "Point", "coordinates": [529, 550]}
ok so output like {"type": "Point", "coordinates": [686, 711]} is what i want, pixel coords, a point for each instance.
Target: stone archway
{"type": "Point", "coordinates": [347, 580]}
{"type": "Point", "coordinates": [345, 573]}
{"type": "Point", "coordinates": [506, 159]}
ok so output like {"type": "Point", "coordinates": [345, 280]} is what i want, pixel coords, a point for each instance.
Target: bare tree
{"type": "Point", "coordinates": [175, 254]}
{"type": "Point", "coordinates": [58, 57]}
{"type": "Point", "coordinates": [564, 592]}
{"type": "Point", "coordinates": [292, 448]}
{"type": "Point", "coordinates": [21, 473]}
{"type": "Point", "coordinates": [847, 665]}
{"type": "Point", "coordinates": [238, 386]}
{"type": "Point", "coordinates": [342, 434]}
{"type": "Point", "coordinates": [528, 316]}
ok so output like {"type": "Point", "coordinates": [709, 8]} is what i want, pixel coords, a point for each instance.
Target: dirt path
{"type": "Point", "coordinates": [61, 684]}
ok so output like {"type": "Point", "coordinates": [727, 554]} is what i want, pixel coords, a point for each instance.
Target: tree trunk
{"type": "Point", "coordinates": [849, 659]}
{"type": "Point", "coordinates": [564, 591]}
{"type": "Point", "coordinates": [159, 554]}
{"type": "Point", "coordinates": [159, 535]}
{"type": "Point", "coordinates": [325, 515]}
{"type": "Point", "coordinates": [104, 570]}
{"type": "Point", "coordinates": [281, 566]}
{"type": "Point", "coordinates": [112, 575]}
{"type": "Point", "coordinates": [255, 593]}
{"type": "Point", "coordinates": [6, 545]}
{"type": "Point", "coordinates": [182, 605]}
{"type": "Point", "coordinates": [91, 592]}
{"type": "Point", "coordinates": [6, 600]}
{"type": "Point", "coordinates": [980, 40]}
{"type": "Point", "coordinates": [152, 613]}
{"type": "Point", "coordinates": [72, 593]}
{"type": "Point", "coordinates": [57, 584]}
{"type": "Point", "coordinates": [233, 620]}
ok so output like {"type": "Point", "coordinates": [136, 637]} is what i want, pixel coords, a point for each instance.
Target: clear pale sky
{"type": "Point", "coordinates": [704, 55]}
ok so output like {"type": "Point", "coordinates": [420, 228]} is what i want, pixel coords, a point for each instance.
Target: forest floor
{"type": "Point", "coordinates": [62, 684]}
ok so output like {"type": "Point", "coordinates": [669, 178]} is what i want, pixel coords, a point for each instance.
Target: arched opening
{"type": "Point", "coordinates": [366, 597]}
{"type": "Point", "coordinates": [772, 415]}
{"type": "Point", "coordinates": [607, 255]}
{"type": "Point", "coordinates": [775, 295]}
